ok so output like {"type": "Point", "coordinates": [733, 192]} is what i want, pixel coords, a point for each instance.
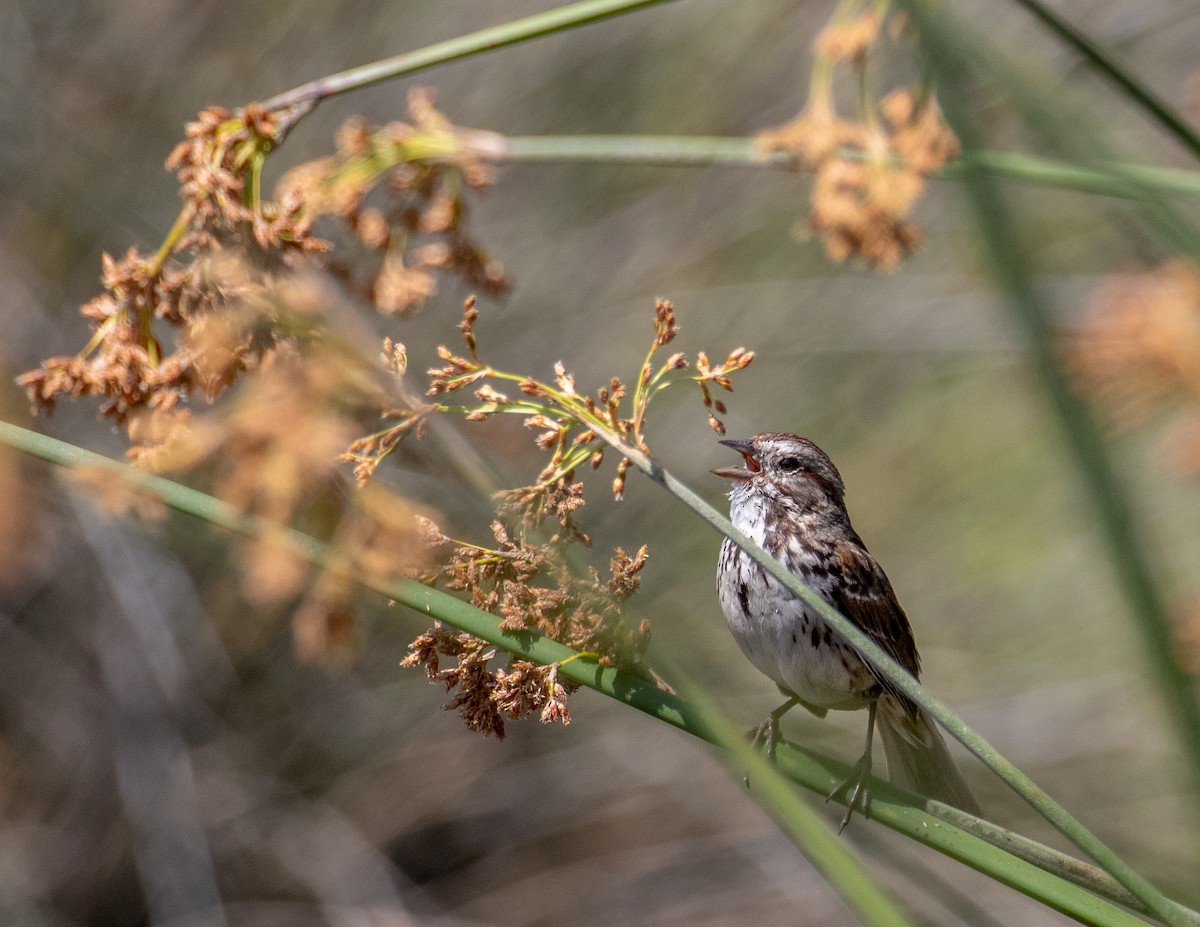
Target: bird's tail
{"type": "Point", "coordinates": [917, 757]}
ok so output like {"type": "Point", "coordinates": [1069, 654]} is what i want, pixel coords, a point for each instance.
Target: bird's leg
{"type": "Point", "coordinates": [859, 777]}
{"type": "Point", "coordinates": [768, 732]}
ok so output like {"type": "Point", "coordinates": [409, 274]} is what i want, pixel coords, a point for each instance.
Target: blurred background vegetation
{"type": "Point", "coordinates": [165, 758]}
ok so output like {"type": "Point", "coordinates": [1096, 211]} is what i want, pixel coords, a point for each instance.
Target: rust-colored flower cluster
{"type": "Point", "coordinates": [369, 451]}
{"type": "Point", "coordinates": [419, 225]}
{"type": "Point", "coordinates": [574, 427]}
{"type": "Point", "coordinates": [523, 576]}
{"type": "Point", "coordinates": [1138, 353]}
{"type": "Point", "coordinates": [219, 165]}
{"type": "Point", "coordinates": [869, 171]}
{"type": "Point", "coordinates": [484, 697]}
{"type": "Point", "coordinates": [224, 222]}
{"type": "Point", "coordinates": [581, 613]}
{"type": "Point", "coordinates": [231, 244]}
{"type": "Point", "coordinates": [124, 364]}
{"type": "Point", "coordinates": [271, 451]}
{"type": "Point", "coordinates": [532, 588]}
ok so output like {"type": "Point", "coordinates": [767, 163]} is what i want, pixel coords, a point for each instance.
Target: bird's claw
{"type": "Point", "coordinates": [766, 733]}
{"type": "Point", "coordinates": [860, 794]}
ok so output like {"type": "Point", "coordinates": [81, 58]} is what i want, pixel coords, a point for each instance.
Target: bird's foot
{"type": "Point", "coordinates": [767, 733]}
{"type": "Point", "coordinates": [764, 734]}
{"type": "Point", "coordinates": [858, 781]}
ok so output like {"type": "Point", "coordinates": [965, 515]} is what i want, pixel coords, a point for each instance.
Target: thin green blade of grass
{"type": "Point", "coordinates": [1124, 180]}
{"type": "Point", "coordinates": [1071, 131]}
{"type": "Point", "coordinates": [303, 99]}
{"type": "Point", "coordinates": [1105, 62]}
{"type": "Point", "coordinates": [952, 72]}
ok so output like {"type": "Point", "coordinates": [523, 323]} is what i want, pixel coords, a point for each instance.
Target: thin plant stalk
{"type": "Point", "coordinates": [717, 151]}
{"type": "Point", "coordinates": [293, 105]}
{"type": "Point", "coordinates": [1038, 871]}
{"type": "Point", "coordinates": [1009, 773]}
{"type": "Point", "coordinates": [1106, 63]}
{"type": "Point", "coordinates": [1110, 496]}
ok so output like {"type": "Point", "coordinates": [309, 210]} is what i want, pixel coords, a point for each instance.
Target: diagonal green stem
{"type": "Point", "coordinates": [943, 41]}
{"type": "Point", "coordinates": [1103, 61]}
{"type": "Point", "coordinates": [1017, 780]}
{"type": "Point", "coordinates": [296, 103]}
{"type": "Point", "coordinates": [1036, 870]}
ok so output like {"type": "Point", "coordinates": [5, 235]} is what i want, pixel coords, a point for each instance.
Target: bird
{"type": "Point", "coordinates": [789, 498]}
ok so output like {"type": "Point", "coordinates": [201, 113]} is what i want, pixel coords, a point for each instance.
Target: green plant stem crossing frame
{"type": "Point", "coordinates": [1071, 886]}
{"type": "Point", "coordinates": [1035, 870]}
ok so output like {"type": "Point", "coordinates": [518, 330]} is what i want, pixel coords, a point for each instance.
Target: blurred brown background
{"type": "Point", "coordinates": [165, 759]}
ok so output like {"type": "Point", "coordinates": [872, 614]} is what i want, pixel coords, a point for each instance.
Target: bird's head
{"type": "Point", "coordinates": [784, 465]}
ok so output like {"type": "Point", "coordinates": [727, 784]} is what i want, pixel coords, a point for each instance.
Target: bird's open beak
{"type": "Point", "coordinates": [739, 474]}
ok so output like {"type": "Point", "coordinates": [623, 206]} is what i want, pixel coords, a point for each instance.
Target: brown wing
{"type": "Point", "coordinates": [862, 592]}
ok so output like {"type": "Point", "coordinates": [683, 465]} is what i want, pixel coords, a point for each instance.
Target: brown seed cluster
{"type": "Point", "coordinates": [523, 575]}
{"type": "Point", "coordinates": [271, 450]}
{"type": "Point", "coordinates": [124, 365]}
{"type": "Point", "coordinates": [484, 697]}
{"type": "Point", "coordinates": [416, 226]}
{"type": "Point", "coordinates": [219, 165]}
{"type": "Point", "coordinates": [224, 222]}
{"type": "Point", "coordinates": [1138, 353]}
{"type": "Point", "coordinates": [570, 424]}
{"type": "Point", "coordinates": [533, 588]}
{"type": "Point", "coordinates": [231, 244]}
{"type": "Point", "coordinates": [1138, 356]}
{"type": "Point", "coordinates": [869, 171]}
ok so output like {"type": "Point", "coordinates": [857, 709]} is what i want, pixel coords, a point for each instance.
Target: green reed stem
{"type": "Point", "coordinates": [1017, 780]}
{"type": "Point", "coordinates": [1046, 875]}
{"type": "Point", "coordinates": [1103, 61]}
{"type": "Point", "coordinates": [1123, 180]}
{"type": "Point", "coordinates": [944, 44]}
{"type": "Point", "coordinates": [296, 103]}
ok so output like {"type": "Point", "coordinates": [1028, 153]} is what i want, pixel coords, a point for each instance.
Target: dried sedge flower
{"type": "Point", "coordinates": [849, 41]}
{"type": "Point", "coordinates": [738, 359]}
{"type": "Point", "coordinates": [1139, 351]}
{"type": "Point", "coordinates": [216, 165]}
{"type": "Point", "coordinates": [569, 423]}
{"type": "Point", "coordinates": [524, 577]}
{"type": "Point", "coordinates": [868, 172]}
{"type": "Point", "coordinates": [665, 328]}
{"type": "Point", "coordinates": [469, 679]}
{"type": "Point", "coordinates": [273, 451]}
{"type": "Point", "coordinates": [584, 613]}
{"type": "Point", "coordinates": [418, 172]}
{"type": "Point", "coordinates": [860, 208]}
{"type": "Point", "coordinates": [125, 367]}
{"type": "Point", "coordinates": [227, 221]}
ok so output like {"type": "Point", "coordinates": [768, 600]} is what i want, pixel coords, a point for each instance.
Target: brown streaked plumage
{"type": "Point", "coordinates": [790, 499]}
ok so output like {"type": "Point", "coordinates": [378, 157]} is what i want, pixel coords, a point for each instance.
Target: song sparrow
{"type": "Point", "coordinates": [789, 498]}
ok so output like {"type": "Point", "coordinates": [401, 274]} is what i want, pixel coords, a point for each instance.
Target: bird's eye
{"type": "Point", "coordinates": [789, 464]}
